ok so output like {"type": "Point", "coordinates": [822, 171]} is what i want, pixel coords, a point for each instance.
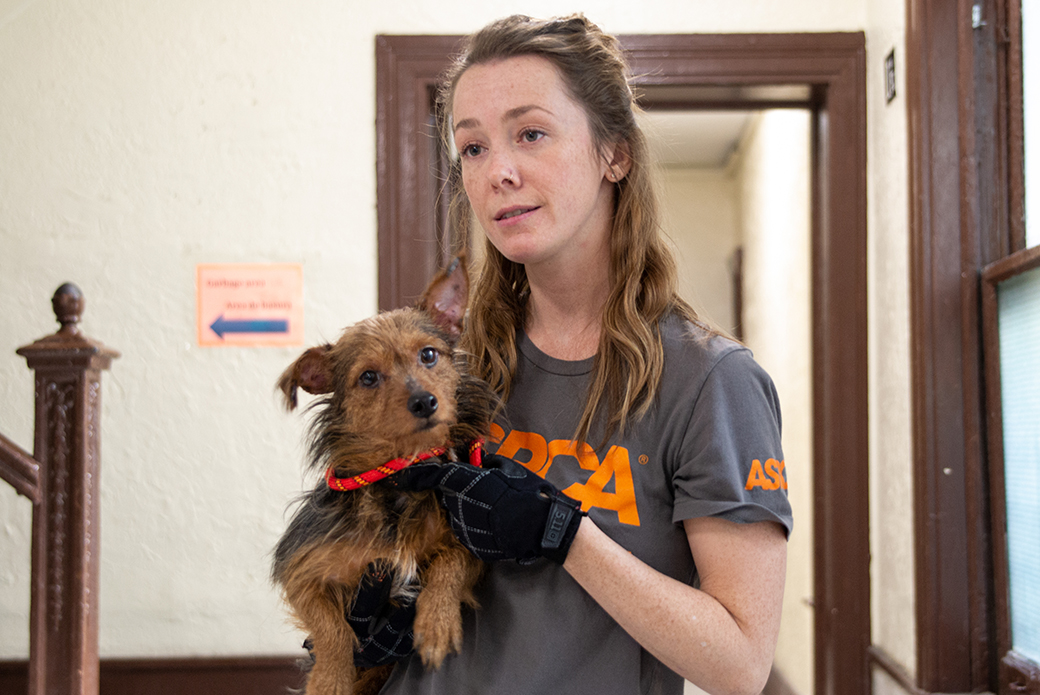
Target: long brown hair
{"type": "Point", "coordinates": [630, 358]}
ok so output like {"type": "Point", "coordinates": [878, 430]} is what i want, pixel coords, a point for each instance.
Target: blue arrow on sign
{"type": "Point", "coordinates": [222, 326]}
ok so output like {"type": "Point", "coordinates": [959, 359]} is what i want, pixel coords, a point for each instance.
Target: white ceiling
{"type": "Point", "coordinates": [702, 139]}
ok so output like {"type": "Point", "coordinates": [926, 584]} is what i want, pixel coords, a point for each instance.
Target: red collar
{"type": "Point", "coordinates": [391, 467]}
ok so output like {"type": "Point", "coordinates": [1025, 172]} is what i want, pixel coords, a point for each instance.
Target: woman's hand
{"type": "Point", "coordinates": [383, 624]}
{"type": "Point", "coordinates": [502, 511]}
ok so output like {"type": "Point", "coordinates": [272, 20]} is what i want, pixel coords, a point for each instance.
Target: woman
{"type": "Point", "coordinates": [666, 433]}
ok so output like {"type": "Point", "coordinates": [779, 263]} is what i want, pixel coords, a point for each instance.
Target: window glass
{"type": "Point", "coordinates": [1018, 301]}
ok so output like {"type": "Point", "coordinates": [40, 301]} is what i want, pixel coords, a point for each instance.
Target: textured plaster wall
{"type": "Point", "coordinates": [888, 304]}
{"type": "Point", "coordinates": [701, 215]}
{"type": "Point", "coordinates": [139, 139]}
{"type": "Point", "coordinates": [773, 176]}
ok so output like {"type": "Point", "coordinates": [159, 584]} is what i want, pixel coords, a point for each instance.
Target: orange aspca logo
{"type": "Point", "coordinates": [758, 476]}
{"type": "Point", "coordinates": [538, 455]}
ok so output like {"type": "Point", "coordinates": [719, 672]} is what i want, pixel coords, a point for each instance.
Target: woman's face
{"type": "Point", "coordinates": [533, 175]}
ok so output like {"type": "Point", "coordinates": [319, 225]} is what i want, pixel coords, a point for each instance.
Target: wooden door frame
{"type": "Point", "coordinates": [412, 242]}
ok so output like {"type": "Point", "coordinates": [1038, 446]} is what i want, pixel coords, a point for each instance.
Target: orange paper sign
{"type": "Point", "coordinates": [250, 304]}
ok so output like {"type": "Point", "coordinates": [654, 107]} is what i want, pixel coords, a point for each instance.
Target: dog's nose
{"type": "Point", "coordinates": [422, 405]}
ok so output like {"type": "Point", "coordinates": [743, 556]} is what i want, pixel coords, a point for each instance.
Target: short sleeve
{"type": "Point", "coordinates": [732, 465]}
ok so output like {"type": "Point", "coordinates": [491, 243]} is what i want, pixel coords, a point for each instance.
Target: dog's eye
{"type": "Point", "coordinates": [428, 356]}
{"type": "Point", "coordinates": [369, 379]}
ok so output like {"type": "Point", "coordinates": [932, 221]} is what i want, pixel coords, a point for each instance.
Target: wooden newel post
{"type": "Point", "coordinates": [64, 610]}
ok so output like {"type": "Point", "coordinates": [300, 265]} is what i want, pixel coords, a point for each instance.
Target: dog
{"type": "Point", "coordinates": [392, 387]}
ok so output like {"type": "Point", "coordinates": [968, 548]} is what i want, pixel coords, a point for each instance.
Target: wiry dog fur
{"type": "Point", "coordinates": [391, 386]}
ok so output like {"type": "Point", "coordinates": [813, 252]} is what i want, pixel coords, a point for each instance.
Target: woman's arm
{"type": "Point", "coordinates": [722, 636]}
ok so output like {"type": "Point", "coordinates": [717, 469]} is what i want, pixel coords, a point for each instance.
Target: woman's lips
{"type": "Point", "coordinates": [510, 213]}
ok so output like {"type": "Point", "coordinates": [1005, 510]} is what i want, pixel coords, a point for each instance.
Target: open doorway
{"type": "Point", "coordinates": [822, 73]}
{"type": "Point", "coordinates": [736, 204]}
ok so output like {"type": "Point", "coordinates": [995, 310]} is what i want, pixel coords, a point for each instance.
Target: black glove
{"type": "Point", "coordinates": [501, 511]}
{"type": "Point", "coordinates": [383, 625]}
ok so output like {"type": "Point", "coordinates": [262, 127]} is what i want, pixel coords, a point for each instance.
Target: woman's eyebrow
{"type": "Point", "coordinates": [511, 114]}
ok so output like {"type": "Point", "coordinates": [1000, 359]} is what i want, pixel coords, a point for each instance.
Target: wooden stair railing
{"type": "Point", "coordinates": [61, 479]}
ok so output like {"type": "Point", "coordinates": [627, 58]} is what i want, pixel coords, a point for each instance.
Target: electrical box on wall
{"type": "Point", "coordinates": [890, 76]}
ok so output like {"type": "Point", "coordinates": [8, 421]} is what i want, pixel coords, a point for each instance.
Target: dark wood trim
{"type": "Point", "coordinates": [1022, 673]}
{"type": "Point", "coordinates": [936, 381]}
{"type": "Point", "coordinates": [19, 470]}
{"type": "Point", "coordinates": [209, 676]}
{"type": "Point", "coordinates": [736, 269]}
{"type": "Point", "coordinates": [1009, 266]}
{"type": "Point", "coordinates": [1012, 33]}
{"type": "Point", "coordinates": [833, 67]}
{"type": "Point", "coordinates": [411, 238]}
{"type": "Point", "coordinates": [728, 105]}
{"type": "Point", "coordinates": [961, 178]}
{"type": "Point", "coordinates": [995, 453]}
{"type": "Point", "coordinates": [1019, 675]}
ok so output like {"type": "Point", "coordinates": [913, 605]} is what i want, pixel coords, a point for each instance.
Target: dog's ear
{"type": "Point", "coordinates": [312, 372]}
{"type": "Point", "coordinates": [446, 298]}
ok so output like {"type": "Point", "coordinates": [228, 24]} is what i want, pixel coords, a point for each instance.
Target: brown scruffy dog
{"type": "Point", "coordinates": [393, 388]}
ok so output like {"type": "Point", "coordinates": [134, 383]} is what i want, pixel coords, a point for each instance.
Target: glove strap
{"type": "Point", "coordinates": [560, 528]}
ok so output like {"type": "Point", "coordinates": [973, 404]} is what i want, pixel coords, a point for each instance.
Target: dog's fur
{"type": "Point", "coordinates": [382, 399]}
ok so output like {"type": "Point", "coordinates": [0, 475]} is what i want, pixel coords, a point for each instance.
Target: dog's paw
{"type": "Point", "coordinates": [435, 639]}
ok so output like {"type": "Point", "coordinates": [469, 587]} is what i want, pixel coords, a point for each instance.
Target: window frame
{"type": "Point", "coordinates": [1016, 673]}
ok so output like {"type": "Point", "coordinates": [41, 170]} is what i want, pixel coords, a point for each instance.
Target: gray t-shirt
{"type": "Point", "coordinates": [710, 446]}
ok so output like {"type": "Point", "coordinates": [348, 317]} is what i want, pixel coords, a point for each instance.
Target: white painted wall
{"type": "Point", "coordinates": [701, 215]}
{"type": "Point", "coordinates": [893, 626]}
{"type": "Point", "coordinates": [140, 139]}
{"type": "Point", "coordinates": [773, 177]}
